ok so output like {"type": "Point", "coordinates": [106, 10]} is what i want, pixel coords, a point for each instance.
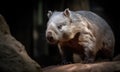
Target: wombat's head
{"type": "Point", "coordinates": [61, 26]}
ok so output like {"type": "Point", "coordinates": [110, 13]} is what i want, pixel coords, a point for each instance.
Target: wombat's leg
{"type": "Point", "coordinates": [105, 54]}
{"type": "Point", "coordinates": [87, 42]}
{"type": "Point", "coordinates": [89, 56]}
{"type": "Point", "coordinates": [66, 55]}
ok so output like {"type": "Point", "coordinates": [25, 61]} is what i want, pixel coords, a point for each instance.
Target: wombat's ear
{"type": "Point", "coordinates": [49, 14]}
{"type": "Point", "coordinates": [67, 12]}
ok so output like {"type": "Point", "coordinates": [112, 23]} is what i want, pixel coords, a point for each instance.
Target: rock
{"type": "Point", "coordinates": [13, 56]}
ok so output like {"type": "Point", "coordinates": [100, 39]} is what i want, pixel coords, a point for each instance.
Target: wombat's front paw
{"type": "Point", "coordinates": [65, 62]}
{"type": "Point", "coordinates": [91, 60]}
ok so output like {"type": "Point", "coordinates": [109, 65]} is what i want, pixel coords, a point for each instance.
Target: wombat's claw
{"type": "Point", "coordinates": [88, 61]}
{"type": "Point", "coordinates": [65, 62]}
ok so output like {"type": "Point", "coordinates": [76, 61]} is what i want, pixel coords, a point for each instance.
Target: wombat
{"type": "Point", "coordinates": [81, 32]}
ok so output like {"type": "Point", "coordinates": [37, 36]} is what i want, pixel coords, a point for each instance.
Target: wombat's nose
{"type": "Point", "coordinates": [49, 34]}
{"type": "Point", "coordinates": [49, 37]}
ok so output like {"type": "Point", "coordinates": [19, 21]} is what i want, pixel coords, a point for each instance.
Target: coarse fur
{"type": "Point", "coordinates": [81, 32]}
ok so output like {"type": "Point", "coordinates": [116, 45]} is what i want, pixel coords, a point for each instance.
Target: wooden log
{"type": "Point", "coordinates": [77, 67]}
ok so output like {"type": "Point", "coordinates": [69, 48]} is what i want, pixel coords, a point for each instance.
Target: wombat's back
{"type": "Point", "coordinates": [94, 19]}
{"type": "Point", "coordinates": [101, 30]}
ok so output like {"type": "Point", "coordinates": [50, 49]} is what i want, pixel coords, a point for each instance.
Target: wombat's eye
{"type": "Point", "coordinates": [59, 27]}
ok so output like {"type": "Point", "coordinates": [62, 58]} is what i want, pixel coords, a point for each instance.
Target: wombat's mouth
{"type": "Point", "coordinates": [51, 37]}
{"type": "Point", "coordinates": [51, 40]}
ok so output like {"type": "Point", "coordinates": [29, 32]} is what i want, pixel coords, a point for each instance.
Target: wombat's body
{"type": "Point", "coordinates": [80, 32]}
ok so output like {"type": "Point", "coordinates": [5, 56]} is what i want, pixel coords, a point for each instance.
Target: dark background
{"type": "Point", "coordinates": [27, 21]}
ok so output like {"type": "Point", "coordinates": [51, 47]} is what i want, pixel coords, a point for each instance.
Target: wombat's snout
{"type": "Point", "coordinates": [50, 37]}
